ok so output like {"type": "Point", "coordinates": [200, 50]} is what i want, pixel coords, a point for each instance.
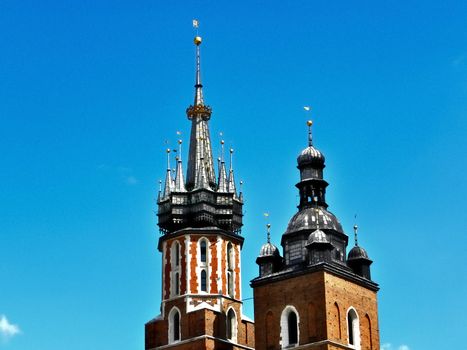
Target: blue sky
{"type": "Point", "coordinates": [90, 90]}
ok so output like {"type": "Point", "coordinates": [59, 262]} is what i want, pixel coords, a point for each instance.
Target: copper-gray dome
{"type": "Point", "coordinates": [309, 156]}
{"type": "Point", "coordinates": [269, 249]}
{"type": "Point", "coordinates": [305, 219]}
{"type": "Point", "coordinates": [357, 253]}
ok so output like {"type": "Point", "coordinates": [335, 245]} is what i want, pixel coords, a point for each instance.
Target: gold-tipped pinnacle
{"type": "Point", "coordinates": [309, 122]}
{"type": "Point", "coordinates": [197, 40]}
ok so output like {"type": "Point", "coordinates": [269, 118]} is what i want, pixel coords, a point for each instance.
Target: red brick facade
{"type": "Point", "coordinates": [322, 301]}
{"type": "Point", "coordinates": [203, 315]}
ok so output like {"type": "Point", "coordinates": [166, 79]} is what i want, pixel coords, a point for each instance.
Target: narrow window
{"type": "Point", "coordinates": [231, 327]}
{"type": "Point", "coordinates": [204, 286]}
{"type": "Point", "coordinates": [289, 327]}
{"type": "Point", "coordinates": [292, 328]}
{"type": "Point", "coordinates": [174, 325]}
{"type": "Point", "coordinates": [353, 328]}
{"type": "Point", "coordinates": [351, 341]}
{"type": "Point", "coordinates": [230, 284]}
{"type": "Point", "coordinates": [229, 257]}
{"type": "Point", "coordinates": [203, 251]}
{"type": "Point", "coordinates": [177, 284]}
{"type": "Point", "coordinates": [177, 255]}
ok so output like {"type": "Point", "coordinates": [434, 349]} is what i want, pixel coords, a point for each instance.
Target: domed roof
{"type": "Point", "coordinates": [268, 249]}
{"type": "Point", "coordinates": [317, 236]}
{"type": "Point", "coordinates": [309, 156]}
{"type": "Point", "coordinates": [357, 252]}
{"type": "Point", "coordinates": [306, 219]}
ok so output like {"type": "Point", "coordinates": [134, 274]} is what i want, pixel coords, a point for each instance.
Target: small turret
{"type": "Point", "coordinates": [358, 259]}
{"type": "Point", "coordinates": [269, 258]}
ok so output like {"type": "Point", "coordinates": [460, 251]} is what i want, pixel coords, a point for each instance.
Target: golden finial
{"type": "Point", "coordinates": [309, 122]}
{"type": "Point", "coordinates": [197, 40]}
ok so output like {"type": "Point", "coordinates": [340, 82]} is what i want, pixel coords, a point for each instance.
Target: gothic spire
{"type": "Point", "coordinates": [200, 154]}
{"type": "Point", "coordinates": [231, 187]}
{"type": "Point", "coordinates": [223, 182]}
{"type": "Point", "coordinates": [199, 101]}
{"type": "Point", "coordinates": [168, 178]}
{"type": "Point", "coordinates": [179, 180]}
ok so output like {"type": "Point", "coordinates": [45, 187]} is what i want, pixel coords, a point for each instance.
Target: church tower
{"type": "Point", "coordinates": [314, 297]}
{"type": "Point", "coordinates": [200, 221]}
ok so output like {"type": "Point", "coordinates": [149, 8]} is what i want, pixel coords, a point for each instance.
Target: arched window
{"type": "Point", "coordinates": [289, 327]}
{"type": "Point", "coordinates": [177, 284]}
{"type": "Point", "coordinates": [230, 283]}
{"type": "Point", "coordinates": [229, 257]}
{"type": "Point", "coordinates": [353, 328]}
{"type": "Point", "coordinates": [174, 325]}
{"type": "Point", "coordinates": [203, 251]}
{"type": "Point", "coordinates": [292, 328]}
{"type": "Point", "coordinates": [231, 326]}
{"type": "Point", "coordinates": [175, 273]}
{"type": "Point", "coordinates": [204, 282]}
{"type": "Point", "coordinates": [176, 254]}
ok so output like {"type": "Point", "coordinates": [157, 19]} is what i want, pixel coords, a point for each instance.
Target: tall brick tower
{"type": "Point", "coordinates": [200, 222]}
{"type": "Point", "coordinates": [314, 297]}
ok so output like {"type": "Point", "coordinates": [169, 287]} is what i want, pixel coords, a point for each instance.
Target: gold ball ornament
{"type": "Point", "coordinates": [197, 40]}
{"type": "Point", "coordinates": [309, 122]}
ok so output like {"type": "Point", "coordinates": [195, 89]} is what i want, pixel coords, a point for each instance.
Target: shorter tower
{"type": "Point", "coordinates": [315, 297]}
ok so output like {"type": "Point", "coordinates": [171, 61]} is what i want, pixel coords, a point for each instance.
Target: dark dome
{"type": "Point", "coordinates": [269, 249]}
{"type": "Point", "coordinates": [317, 236]}
{"type": "Point", "coordinates": [305, 219]}
{"type": "Point", "coordinates": [357, 253]}
{"type": "Point", "coordinates": [310, 156]}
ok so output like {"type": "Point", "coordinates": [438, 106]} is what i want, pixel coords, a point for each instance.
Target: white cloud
{"type": "Point", "coordinates": [388, 346]}
{"type": "Point", "coordinates": [131, 180]}
{"type": "Point", "coordinates": [7, 330]}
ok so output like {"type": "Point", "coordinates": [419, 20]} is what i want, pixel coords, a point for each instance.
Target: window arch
{"type": "Point", "coordinates": [370, 336]}
{"type": "Point", "coordinates": [230, 270]}
{"type": "Point", "coordinates": [174, 325]}
{"type": "Point", "coordinates": [204, 281]}
{"type": "Point", "coordinates": [337, 320]}
{"type": "Point", "coordinates": [231, 326]}
{"type": "Point", "coordinates": [176, 254]}
{"type": "Point", "coordinates": [290, 332]}
{"type": "Point", "coordinates": [203, 251]}
{"type": "Point", "coordinates": [175, 272]}
{"type": "Point", "coordinates": [353, 328]}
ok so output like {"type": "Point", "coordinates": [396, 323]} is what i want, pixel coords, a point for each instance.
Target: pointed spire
{"type": "Point", "coordinates": [268, 226]}
{"type": "Point", "coordinates": [355, 231]}
{"type": "Point", "coordinates": [202, 180]}
{"type": "Point", "coordinates": [160, 191]}
{"type": "Point", "coordinates": [200, 142]}
{"type": "Point", "coordinates": [240, 195]}
{"type": "Point", "coordinates": [231, 187]}
{"type": "Point", "coordinates": [223, 182]}
{"type": "Point", "coordinates": [179, 180]}
{"type": "Point", "coordinates": [199, 101]}
{"type": "Point", "coordinates": [168, 178]}
{"type": "Point", "coordinates": [310, 137]}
